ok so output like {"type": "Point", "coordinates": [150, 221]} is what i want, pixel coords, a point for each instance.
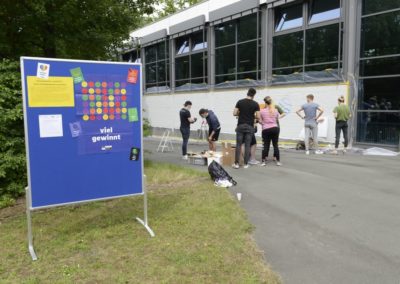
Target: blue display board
{"type": "Point", "coordinates": [83, 130]}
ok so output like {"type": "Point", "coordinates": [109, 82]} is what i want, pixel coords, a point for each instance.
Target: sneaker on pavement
{"type": "Point", "coordinates": [254, 162]}
{"type": "Point", "coordinates": [263, 164]}
{"type": "Point", "coordinates": [307, 152]}
{"type": "Point", "coordinates": [318, 152]}
{"type": "Point", "coordinates": [278, 163]}
{"type": "Point", "coordinates": [185, 157]}
{"type": "Point", "coordinates": [235, 166]}
{"type": "Point", "coordinates": [334, 152]}
{"type": "Point", "coordinates": [344, 151]}
{"type": "Point", "coordinates": [246, 166]}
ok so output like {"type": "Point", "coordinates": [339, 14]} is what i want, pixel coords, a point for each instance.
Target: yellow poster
{"type": "Point", "coordinates": [51, 92]}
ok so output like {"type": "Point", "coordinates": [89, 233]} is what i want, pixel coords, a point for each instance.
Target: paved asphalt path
{"type": "Point", "coordinates": [321, 219]}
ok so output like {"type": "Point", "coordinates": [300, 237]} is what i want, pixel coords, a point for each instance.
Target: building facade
{"type": "Point", "coordinates": [212, 52]}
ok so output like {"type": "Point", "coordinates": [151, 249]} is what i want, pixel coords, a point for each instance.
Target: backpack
{"type": "Point", "coordinates": [217, 172]}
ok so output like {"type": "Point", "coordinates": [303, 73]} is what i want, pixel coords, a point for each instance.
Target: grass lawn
{"type": "Point", "coordinates": [202, 236]}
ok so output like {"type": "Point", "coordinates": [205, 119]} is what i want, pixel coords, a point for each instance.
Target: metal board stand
{"type": "Point", "coordinates": [165, 142]}
{"type": "Point", "coordinates": [29, 219]}
{"type": "Point", "coordinates": [144, 222]}
{"type": "Point", "coordinates": [31, 249]}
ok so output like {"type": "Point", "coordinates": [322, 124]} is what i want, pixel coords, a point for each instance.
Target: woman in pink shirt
{"type": "Point", "coordinates": [270, 130]}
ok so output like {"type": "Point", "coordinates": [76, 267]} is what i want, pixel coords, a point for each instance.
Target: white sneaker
{"type": "Point", "coordinates": [254, 162]}
{"type": "Point", "coordinates": [263, 164]}
{"type": "Point", "coordinates": [318, 152]}
{"type": "Point", "coordinates": [185, 157]}
{"type": "Point", "coordinates": [235, 166]}
{"type": "Point", "coordinates": [246, 166]}
{"type": "Point", "coordinates": [344, 151]}
{"type": "Point", "coordinates": [307, 152]}
{"type": "Point", "coordinates": [334, 152]}
{"type": "Point", "coordinates": [278, 164]}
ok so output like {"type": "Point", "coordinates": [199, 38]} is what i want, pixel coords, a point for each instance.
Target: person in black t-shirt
{"type": "Point", "coordinates": [186, 120]}
{"type": "Point", "coordinates": [246, 110]}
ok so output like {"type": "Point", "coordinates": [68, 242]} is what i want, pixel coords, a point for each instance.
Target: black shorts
{"type": "Point", "coordinates": [253, 140]}
{"type": "Point", "coordinates": [216, 134]}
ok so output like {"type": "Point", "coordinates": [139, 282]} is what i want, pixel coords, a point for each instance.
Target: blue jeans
{"type": "Point", "coordinates": [244, 134]}
{"type": "Point", "coordinates": [185, 136]}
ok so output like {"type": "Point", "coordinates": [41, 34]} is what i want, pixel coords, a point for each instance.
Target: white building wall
{"type": "Point", "coordinates": [162, 110]}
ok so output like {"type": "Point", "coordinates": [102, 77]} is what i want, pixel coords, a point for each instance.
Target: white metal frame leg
{"type": "Point", "coordinates": [29, 219]}
{"type": "Point", "coordinates": [144, 222]}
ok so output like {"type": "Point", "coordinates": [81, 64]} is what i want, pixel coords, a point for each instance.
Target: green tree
{"type": "Point", "coordinates": [12, 145]}
{"type": "Point", "coordinates": [90, 29]}
{"type": "Point", "coordinates": [172, 6]}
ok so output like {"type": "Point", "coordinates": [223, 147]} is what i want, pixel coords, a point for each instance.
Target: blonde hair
{"type": "Point", "coordinates": [271, 106]}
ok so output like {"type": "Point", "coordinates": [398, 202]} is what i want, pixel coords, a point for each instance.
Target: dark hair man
{"type": "Point", "coordinates": [310, 117]}
{"type": "Point", "coordinates": [214, 127]}
{"type": "Point", "coordinates": [246, 110]}
{"type": "Point", "coordinates": [186, 120]}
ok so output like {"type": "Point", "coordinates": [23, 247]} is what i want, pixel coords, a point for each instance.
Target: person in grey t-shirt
{"type": "Point", "coordinates": [310, 110]}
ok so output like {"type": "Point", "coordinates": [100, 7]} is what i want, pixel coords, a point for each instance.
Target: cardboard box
{"type": "Point", "coordinates": [228, 154]}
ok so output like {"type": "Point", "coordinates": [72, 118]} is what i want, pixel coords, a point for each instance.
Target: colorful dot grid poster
{"type": "Point", "coordinates": [101, 123]}
{"type": "Point", "coordinates": [103, 105]}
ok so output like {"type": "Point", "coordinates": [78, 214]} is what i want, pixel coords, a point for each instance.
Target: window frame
{"type": "Point", "coordinates": [160, 86]}
{"type": "Point", "coordinates": [189, 54]}
{"type": "Point", "coordinates": [306, 8]}
{"type": "Point", "coordinates": [258, 40]}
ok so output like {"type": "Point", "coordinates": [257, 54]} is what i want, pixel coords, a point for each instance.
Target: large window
{"type": "Point", "coordinates": [238, 52]}
{"type": "Point", "coordinates": [379, 75]}
{"type": "Point", "coordinates": [132, 56]}
{"type": "Point", "coordinates": [157, 67]}
{"type": "Point", "coordinates": [307, 42]}
{"type": "Point", "coordinates": [191, 61]}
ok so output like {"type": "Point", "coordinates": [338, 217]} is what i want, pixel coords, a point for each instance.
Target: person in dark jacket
{"type": "Point", "coordinates": [186, 119]}
{"type": "Point", "coordinates": [214, 127]}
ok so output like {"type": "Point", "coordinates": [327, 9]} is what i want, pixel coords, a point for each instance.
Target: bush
{"type": "Point", "coordinates": [146, 127]}
{"type": "Point", "coordinates": [12, 143]}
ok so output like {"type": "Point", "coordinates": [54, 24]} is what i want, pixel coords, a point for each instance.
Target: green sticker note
{"type": "Point", "coordinates": [133, 114]}
{"type": "Point", "coordinates": [77, 75]}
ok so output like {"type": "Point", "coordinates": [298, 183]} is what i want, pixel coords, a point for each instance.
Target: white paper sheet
{"type": "Point", "coordinates": [50, 125]}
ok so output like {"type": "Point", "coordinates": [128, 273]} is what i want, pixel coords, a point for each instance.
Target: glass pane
{"type": "Point", "coordinates": [379, 94]}
{"type": "Point", "coordinates": [198, 65]}
{"type": "Point", "coordinates": [323, 10]}
{"type": "Point", "coordinates": [225, 34]}
{"type": "Point", "coordinates": [182, 68]}
{"type": "Point", "coordinates": [247, 28]}
{"type": "Point", "coordinates": [380, 35]}
{"type": "Point", "coordinates": [288, 17]}
{"type": "Point", "coordinates": [151, 73]}
{"type": "Point", "coordinates": [182, 45]}
{"type": "Point", "coordinates": [162, 50]}
{"type": "Point", "coordinates": [289, 75]}
{"type": "Point", "coordinates": [198, 42]}
{"type": "Point", "coordinates": [181, 83]}
{"type": "Point", "coordinates": [378, 128]}
{"type": "Point", "coordinates": [247, 56]}
{"type": "Point", "coordinates": [225, 60]}
{"type": "Point", "coordinates": [322, 44]}
{"type": "Point", "coordinates": [322, 73]}
{"type": "Point", "coordinates": [150, 53]}
{"type": "Point", "coordinates": [373, 6]}
{"type": "Point", "coordinates": [200, 81]}
{"type": "Point", "coordinates": [224, 79]}
{"type": "Point", "coordinates": [288, 50]}
{"type": "Point", "coordinates": [380, 66]}
{"type": "Point", "coordinates": [247, 76]}
{"type": "Point", "coordinates": [162, 71]}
